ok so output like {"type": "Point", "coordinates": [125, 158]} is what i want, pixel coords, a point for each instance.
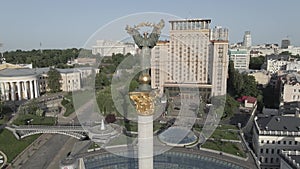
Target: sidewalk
{"type": "Point", "coordinates": [29, 151]}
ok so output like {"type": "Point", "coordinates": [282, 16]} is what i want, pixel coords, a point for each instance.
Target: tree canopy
{"type": "Point", "coordinates": [46, 57]}
{"type": "Point", "coordinates": [256, 62]}
{"type": "Point", "coordinates": [239, 84]}
{"type": "Point", "coordinates": [54, 79]}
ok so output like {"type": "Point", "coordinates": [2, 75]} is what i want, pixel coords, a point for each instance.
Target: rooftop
{"type": "Point", "coordinates": [291, 157]}
{"type": "Point", "coordinates": [279, 57]}
{"type": "Point", "coordinates": [290, 108]}
{"type": "Point", "coordinates": [13, 72]}
{"type": "Point", "coordinates": [249, 99]}
{"type": "Point", "coordinates": [238, 51]}
{"type": "Point", "coordinates": [191, 20]}
{"type": "Point", "coordinates": [279, 123]}
{"type": "Point", "coordinates": [292, 78]}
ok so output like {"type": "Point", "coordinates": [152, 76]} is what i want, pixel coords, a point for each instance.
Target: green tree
{"type": "Point", "coordinates": [104, 100]}
{"type": "Point", "coordinates": [133, 85]}
{"type": "Point", "coordinates": [32, 106]}
{"type": "Point", "coordinates": [230, 81]}
{"type": "Point", "coordinates": [54, 79]}
{"type": "Point", "coordinates": [231, 107]}
{"type": "Point", "coordinates": [285, 53]}
{"type": "Point", "coordinates": [256, 62]}
{"type": "Point", "coordinates": [101, 80]}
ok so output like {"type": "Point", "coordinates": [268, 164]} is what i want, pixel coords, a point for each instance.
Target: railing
{"type": "Point", "coordinates": [74, 131]}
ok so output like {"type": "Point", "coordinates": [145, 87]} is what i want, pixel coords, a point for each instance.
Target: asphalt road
{"type": "Point", "coordinates": [43, 157]}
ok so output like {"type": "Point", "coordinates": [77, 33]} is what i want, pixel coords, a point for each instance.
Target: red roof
{"type": "Point", "coordinates": [249, 99]}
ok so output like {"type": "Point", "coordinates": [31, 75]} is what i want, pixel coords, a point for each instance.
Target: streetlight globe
{"type": "Point", "coordinates": [144, 79]}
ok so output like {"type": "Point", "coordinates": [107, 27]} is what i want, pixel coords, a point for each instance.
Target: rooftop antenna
{"type": "Point", "coordinates": [41, 48]}
{"type": "Point", "coordinates": [2, 57]}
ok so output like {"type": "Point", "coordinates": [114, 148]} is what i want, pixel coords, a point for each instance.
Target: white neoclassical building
{"type": "Point", "coordinates": [108, 48]}
{"type": "Point", "coordinates": [19, 83]}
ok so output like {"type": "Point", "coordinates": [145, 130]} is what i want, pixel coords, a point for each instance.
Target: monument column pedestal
{"type": "Point", "coordinates": [145, 142]}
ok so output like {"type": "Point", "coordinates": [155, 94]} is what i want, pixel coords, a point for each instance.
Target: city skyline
{"type": "Point", "coordinates": [69, 24]}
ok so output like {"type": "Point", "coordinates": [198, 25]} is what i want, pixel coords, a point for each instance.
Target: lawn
{"type": "Point", "coordinates": [228, 132]}
{"type": "Point", "coordinates": [36, 120]}
{"type": "Point", "coordinates": [11, 146]}
{"type": "Point", "coordinates": [227, 126]}
{"type": "Point", "coordinates": [225, 134]}
{"type": "Point", "coordinates": [69, 107]}
{"type": "Point", "coordinates": [227, 147]}
{"type": "Point", "coordinates": [157, 125]}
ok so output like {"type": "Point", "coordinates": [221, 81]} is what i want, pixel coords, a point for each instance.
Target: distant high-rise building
{"type": "Point", "coordinates": [285, 43]}
{"type": "Point", "coordinates": [195, 57]}
{"type": "Point", "coordinates": [247, 42]}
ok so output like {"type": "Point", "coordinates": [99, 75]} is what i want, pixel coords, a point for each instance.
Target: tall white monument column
{"type": "Point", "coordinates": [142, 98]}
{"type": "Point", "coordinates": [145, 110]}
{"type": "Point", "coordinates": [145, 141]}
{"type": "Point", "coordinates": [31, 89]}
{"type": "Point", "coordinates": [19, 90]}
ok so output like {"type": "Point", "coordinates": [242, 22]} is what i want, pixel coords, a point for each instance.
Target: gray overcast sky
{"type": "Point", "coordinates": [69, 23]}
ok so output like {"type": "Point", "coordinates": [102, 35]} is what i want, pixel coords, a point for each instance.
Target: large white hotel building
{"type": "Point", "coordinates": [195, 57]}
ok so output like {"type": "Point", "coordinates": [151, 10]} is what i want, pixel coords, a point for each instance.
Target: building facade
{"type": "Point", "coordinates": [195, 57]}
{"type": "Point", "coordinates": [218, 61]}
{"type": "Point", "coordinates": [291, 49]}
{"type": "Point", "coordinates": [293, 66]}
{"type": "Point", "coordinates": [290, 88]}
{"type": "Point", "coordinates": [264, 50]}
{"type": "Point", "coordinates": [240, 58]}
{"type": "Point", "coordinates": [277, 62]}
{"type": "Point", "coordinates": [159, 57]}
{"type": "Point", "coordinates": [290, 160]}
{"type": "Point", "coordinates": [18, 83]}
{"type": "Point", "coordinates": [108, 48]}
{"type": "Point", "coordinates": [271, 135]}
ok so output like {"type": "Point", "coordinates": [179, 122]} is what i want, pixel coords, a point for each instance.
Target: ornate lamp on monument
{"type": "Point", "coordinates": [144, 96]}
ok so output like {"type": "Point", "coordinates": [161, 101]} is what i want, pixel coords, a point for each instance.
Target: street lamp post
{"type": "Point", "coordinates": [2, 59]}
